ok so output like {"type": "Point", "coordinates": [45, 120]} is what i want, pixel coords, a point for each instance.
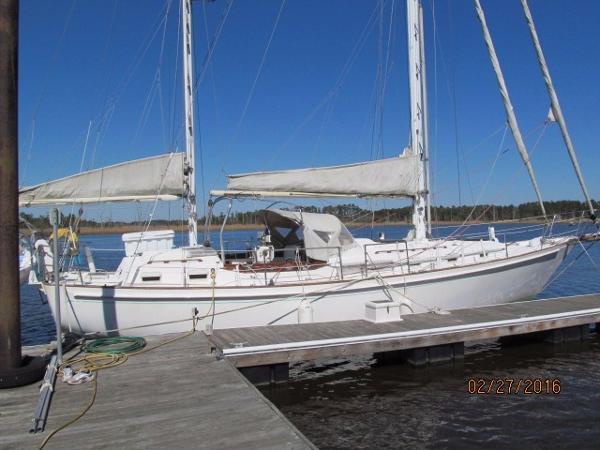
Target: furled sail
{"type": "Point", "coordinates": [159, 177]}
{"type": "Point", "coordinates": [392, 177]}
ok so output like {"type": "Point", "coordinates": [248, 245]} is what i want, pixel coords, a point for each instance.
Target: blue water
{"type": "Point", "coordinates": [360, 403]}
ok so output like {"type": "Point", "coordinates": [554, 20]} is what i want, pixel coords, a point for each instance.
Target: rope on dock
{"type": "Point", "coordinates": [75, 419]}
{"type": "Point", "coordinates": [94, 362]}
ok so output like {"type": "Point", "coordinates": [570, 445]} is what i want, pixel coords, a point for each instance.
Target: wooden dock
{"type": "Point", "coordinates": [177, 396]}
{"type": "Point", "coordinates": [429, 336]}
{"type": "Point", "coordinates": [180, 395]}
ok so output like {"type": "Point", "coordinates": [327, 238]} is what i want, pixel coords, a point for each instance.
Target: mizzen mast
{"type": "Point", "coordinates": [188, 95]}
{"type": "Point", "coordinates": [418, 114]}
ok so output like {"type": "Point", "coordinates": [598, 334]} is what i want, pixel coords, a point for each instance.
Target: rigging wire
{"type": "Point", "coordinates": [109, 75]}
{"type": "Point", "coordinates": [374, 98]}
{"type": "Point", "coordinates": [174, 86]}
{"type": "Point", "coordinates": [210, 66]}
{"type": "Point", "coordinates": [159, 71]}
{"type": "Point", "coordinates": [376, 132]}
{"type": "Point", "coordinates": [111, 103]}
{"type": "Point", "coordinates": [332, 93]}
{"type": "Point", "coordinates": [197, 116]}
{"type": "Point", "coordinates": [433, 148]}
{"type": "Point", "coordinates": [370, 115]}
{"type": "Point", "coordinates": [331, 105]}
{"type": "Point", "coordinates": [155, 90]}
{"type": "Point", "coordinates": [510, 183]}
{"type": "Point", "coordinates": [146, 110]}
{"type": "Point", "coordinates": [196, 85]}
{"type": "Point", "coordinates": [468, 153]}
{"type": "Point", "coordinates": [452, 86]}
{"type": "Point", "coordinates": [386, 75]}
{"type": "Point", "coordinates": [568, 266]}
{"type": "Point", "coordinates": [85, 145]}
{"type": "Point", "coordinates": [489, 176]}
{"type": "Point", "coordinates": [46, 82]}
{"type": "Point", "coordinates": [258, 73]}
{"type": "Point", "coordinates": [212, 46]}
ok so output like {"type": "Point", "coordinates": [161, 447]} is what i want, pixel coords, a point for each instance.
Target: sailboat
{"type": "Point", "coordinates": [307, 267]}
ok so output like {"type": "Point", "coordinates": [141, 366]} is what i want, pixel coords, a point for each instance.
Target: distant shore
{"type": "Point", "coordinates": [132, 228]}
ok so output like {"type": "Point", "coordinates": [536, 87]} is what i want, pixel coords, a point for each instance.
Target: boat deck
{"type": "Point", "coordinates": [261, 346]}
{"type": "Point", "coordinates": [177, 396]}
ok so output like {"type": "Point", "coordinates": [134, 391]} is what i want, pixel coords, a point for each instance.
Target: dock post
{"type": "Point", "coordinates": [270, 374]}
{"type": "Point", "coordinates": [14, 369]}
{"type": "Point", "coordinates": [569, 334]}
{"type": "Point", "coordinates": [10, 312]}
{"type": "Point", "coordinates": [423, 356]}
{"type": "Point", "coordinates": [436, 354]}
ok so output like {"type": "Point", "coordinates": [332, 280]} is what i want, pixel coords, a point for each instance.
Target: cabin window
{"type": "Point", "coordinates": [198, 276]}
{"type": "Point", "coordinates": [345, 236]}
{"type": "Point", "coordinates": [150, 277]}
{"type": "Point", "coordinates": [325, 236]}
{"type": "Point", "coordinates": [284, 231]}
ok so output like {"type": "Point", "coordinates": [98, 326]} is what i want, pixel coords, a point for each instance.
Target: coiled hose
{"type": "Point", "coordinates": [115, 345]}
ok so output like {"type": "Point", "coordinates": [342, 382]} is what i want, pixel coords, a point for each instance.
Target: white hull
{"type": "Point", "coordinates": [88, 308]}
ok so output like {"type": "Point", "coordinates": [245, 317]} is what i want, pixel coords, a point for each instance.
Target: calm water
{"type": "Point", "coordinates": [360, 403]}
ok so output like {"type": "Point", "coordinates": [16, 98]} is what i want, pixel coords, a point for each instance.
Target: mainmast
{"type": "Point", "coordinates": [188, 95]}
{"type": "Point", "coordinates": [418, 115]}
{"type": "Point", "coordinates": [556, 110]}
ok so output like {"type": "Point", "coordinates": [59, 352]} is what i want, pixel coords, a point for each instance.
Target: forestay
{"type": "Point", "coordinates": [159, 177]}
{"type": "Point", "coordinates": [392, 177]}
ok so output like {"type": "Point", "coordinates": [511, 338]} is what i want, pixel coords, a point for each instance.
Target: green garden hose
{"type": "Point", "coordinates": [115, 345]}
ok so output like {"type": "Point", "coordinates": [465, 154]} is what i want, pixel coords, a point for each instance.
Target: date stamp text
{"type": "Point", "coordinates": [513, 386]}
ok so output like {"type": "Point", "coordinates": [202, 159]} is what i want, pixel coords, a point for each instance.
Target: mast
{"type": "Point", "coordinates": [425, 125]}
{"type": "Point", "coordinates": [556, 110]}
{"type": "Point", "coordinates": [510, 113]}
{"type": "Point", "coordinates": [418, 114]}
{"type": "Point", "coordinates": [188, 95]}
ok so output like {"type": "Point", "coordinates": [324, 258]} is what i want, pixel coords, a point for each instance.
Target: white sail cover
{"type": "Point", "coordinates": [159, 177]}
{"type": "Point", "coordinates": [392, 177]}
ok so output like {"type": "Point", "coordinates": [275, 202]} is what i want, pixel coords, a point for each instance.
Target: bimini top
{"type": "Point", "coordinates": [158, 177]}
{"type": "Point", "coordinates": [323, 234]}
{"type": "Point", "coordinates": [391, 177]}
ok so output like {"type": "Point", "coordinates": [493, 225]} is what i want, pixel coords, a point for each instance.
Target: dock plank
{"type": "Point", "coordinates": [173, 397]}
{"type": "Point", "coordinates": [291, 343]}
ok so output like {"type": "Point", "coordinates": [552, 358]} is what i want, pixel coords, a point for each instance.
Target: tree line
{"type": "Point", "coordinates": [351, 213]}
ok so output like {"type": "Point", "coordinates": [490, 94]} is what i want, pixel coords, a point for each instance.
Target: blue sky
{"type": "Point", "coordinates": [113, 63]}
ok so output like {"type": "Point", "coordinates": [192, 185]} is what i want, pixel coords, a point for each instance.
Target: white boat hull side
{"type": "Point", "coordinates": [98, 309]}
